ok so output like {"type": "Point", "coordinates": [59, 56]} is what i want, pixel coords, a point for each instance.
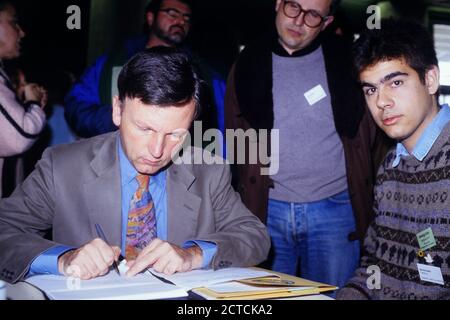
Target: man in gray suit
{"type": "Point", "coordinates": [195, 217]}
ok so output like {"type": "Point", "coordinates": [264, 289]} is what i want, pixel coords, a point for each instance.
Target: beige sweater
{"type": "Point", "coordinates": [19, 126]}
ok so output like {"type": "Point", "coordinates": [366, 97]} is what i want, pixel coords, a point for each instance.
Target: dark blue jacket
{"type": "Point", "coordinates": [88, 104]}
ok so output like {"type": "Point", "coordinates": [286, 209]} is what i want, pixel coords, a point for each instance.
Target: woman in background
{"type": "Point", "coordinates": [20, 123]}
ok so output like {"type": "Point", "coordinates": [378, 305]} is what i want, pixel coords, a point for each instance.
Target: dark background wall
{"type": "Point", "coordinates": [48, 41]}
{"type": "Point", "coordinates": [50, 49]}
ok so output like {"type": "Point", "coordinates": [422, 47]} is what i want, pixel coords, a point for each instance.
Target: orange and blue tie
{"type": "Point", "coordinates": [141, 227]}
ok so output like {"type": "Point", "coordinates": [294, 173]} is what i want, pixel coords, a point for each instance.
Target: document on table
{"type": "Point", "coordinates": [234, 286]}
{"type": "Point", "coordinates": [109, 287]}
{"type": "Point", "coordinates": [275, 286]}
{"type": "Point", "coordinates": [238, 291]}
{"type": "Point", "coordinates": [203, 278]}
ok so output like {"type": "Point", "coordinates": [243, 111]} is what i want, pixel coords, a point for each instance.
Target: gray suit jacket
{"type": "Point", "coordinates": [75, 186]}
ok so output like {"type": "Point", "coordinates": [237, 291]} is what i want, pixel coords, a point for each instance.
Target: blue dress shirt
{"type": "Point", "coordinates": [428, 138]}
{"type": "Point", "coordinates": [47, 262]}
{"type": "Point", "coordinates": [158, 191]}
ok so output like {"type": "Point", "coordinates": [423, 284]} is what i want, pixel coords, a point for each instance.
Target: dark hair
{"type": "Point", "coordinates": [397, 39]}
{"type": "Point", "coordinates": [161, 76]}
{"type": "Point", "coordinates": [5, 4]}
{"type": "Point", "coordinates": [155, 5]}
{"type": "Point", "coordinates": [333, 6]}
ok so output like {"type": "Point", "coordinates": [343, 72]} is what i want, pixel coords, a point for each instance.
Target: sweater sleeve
{"type": "Point", "coordinates": [357, 287]}
{"type": "Point", "coordinates": [20, 125]}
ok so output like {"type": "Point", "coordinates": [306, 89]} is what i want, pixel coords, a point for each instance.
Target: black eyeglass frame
{"type": "Point", "coordinates": [306, 12]}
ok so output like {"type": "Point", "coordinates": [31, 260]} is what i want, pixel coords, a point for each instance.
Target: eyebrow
{"type": "Point", "coordinates": [180, 12]}
{"type": "Point", "coordinates": [148, 127]}
{"type": "Point", "coordinates": [386, 78]}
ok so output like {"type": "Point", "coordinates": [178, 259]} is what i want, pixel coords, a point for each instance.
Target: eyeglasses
{"type": "Point", "coordinates": [311, 17]}
{"type": "Point", "coordinates": [176, 14]}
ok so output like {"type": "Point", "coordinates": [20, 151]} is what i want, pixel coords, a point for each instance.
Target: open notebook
{"type": "Point", "coordinates": [109, 287]}
{"type": "Point", "coordinates": [231, 283]}
{"type": "Point", "coordinates": [143, 286]}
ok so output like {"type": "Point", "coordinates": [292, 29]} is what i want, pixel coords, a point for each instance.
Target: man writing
{"type": "Point", "coordinates": [173, 217]}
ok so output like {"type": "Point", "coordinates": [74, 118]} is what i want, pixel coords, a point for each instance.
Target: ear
{"type": "Point", "coordinates": [117, 111]}
{"type": "Point", "coordinates": [150, 18]}
{"type": "Point", "coordinates": [278, 5]}
{"type": "Point", "coordinates": [327, 22]}
{"type": "Point", "coordinates": [432, 80]}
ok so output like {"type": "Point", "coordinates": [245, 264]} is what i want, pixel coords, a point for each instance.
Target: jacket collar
{"type": "Point", "coordinates": [102, 191]}
{"type": "Point", "coordinates": [183, 204]}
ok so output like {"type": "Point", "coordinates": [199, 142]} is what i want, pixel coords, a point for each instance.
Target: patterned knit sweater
{"type": "Point", "coordinates": [410, 198]}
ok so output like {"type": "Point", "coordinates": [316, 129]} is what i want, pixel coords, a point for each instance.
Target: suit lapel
{"type": "Point", "coordinates": [103, 191]}
{"type": "Point", "coordinates": [182, 205]}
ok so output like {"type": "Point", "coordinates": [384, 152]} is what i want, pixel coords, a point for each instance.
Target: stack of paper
{"type": "Point", "coordinates": [277, 285]}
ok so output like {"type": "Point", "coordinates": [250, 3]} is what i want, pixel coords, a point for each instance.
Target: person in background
{"type": "Point", "coordinates": [21, 118]}
{"type": "Point", "coordinates": [88, 104]}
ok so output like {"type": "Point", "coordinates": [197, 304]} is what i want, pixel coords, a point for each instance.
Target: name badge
{"type": "Point", "coordinates": [426, 239]}
{"type": "Point", "coordinates": [430, 274]}
{"type": "Point", "coordinates": [315, 95]}
{"type": "Point", "coordinates": [2, 290]}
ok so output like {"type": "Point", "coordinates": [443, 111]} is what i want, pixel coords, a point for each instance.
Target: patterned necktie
{"type": "Point", "coordinates": [141, 228]}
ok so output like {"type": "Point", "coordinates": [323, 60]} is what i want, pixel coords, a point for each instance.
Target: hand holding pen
{"type": "Point", "coordinates": [102, 236]}
{"type": "Point", "coordinates": [92, 260]}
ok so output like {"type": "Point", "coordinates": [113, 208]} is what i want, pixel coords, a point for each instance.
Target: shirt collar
{"type": "Point", "coordinates": [428, 138]}
{"type": "Point", "coordinates": [128, 172]}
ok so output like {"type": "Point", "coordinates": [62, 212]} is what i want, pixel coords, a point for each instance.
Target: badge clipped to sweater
{"type": "Point", "coordinates": [426, 239]}
{"type": "Point", "coordinates": [430, 274]}
{"type": "Point", "coordinates": [426, 272]}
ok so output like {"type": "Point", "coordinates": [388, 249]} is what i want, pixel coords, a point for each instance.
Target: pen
{"type": "Point", "coordinates": [103, 237]}
{"type": "Point", "coordinates": [273, 281]}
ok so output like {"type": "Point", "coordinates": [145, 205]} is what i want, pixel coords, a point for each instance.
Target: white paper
{"type": "Point", "coordinates": [109, 287]}
{"type": "Point", "coordinates": [123, 268]}
{"type": "Point", "coordinates": [315, 95]}
{"type": "Point", "coordinates": [202, 278]}
{"type": "Point", "coordinates": [430, 274]}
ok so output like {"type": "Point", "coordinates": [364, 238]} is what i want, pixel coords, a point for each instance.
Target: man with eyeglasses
{"type": "Point", "coordinates": [88, 104]}
{"type": "Point", "coordinates": [317, 200]}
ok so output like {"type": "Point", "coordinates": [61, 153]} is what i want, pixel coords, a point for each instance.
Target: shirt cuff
{"type": "Point", "coordinates": [209, 249]}
{"type": "Point", "coordinates": [47, 262]}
